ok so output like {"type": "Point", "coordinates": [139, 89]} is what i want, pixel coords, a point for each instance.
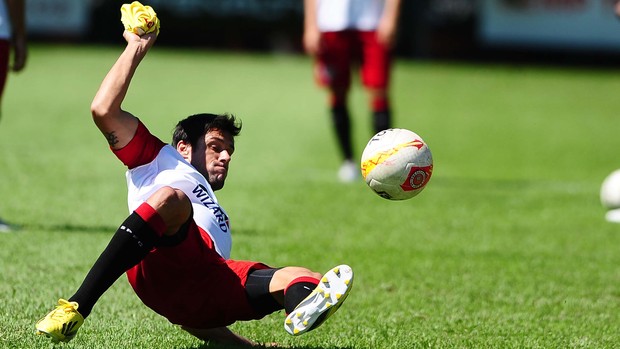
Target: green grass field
{"type": "Point", "coordinates": [506, 248]}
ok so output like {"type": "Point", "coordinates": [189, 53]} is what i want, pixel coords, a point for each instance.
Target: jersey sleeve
{"type": "Point", "coordinates": [142, 149]}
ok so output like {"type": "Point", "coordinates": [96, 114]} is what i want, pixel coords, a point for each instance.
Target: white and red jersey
{"type": "Point", "coordinates": [339, 15]}
{"type": "Point", "coordinates": [153, 164]}
{"type": "Point", "coordinates": [192, 283]}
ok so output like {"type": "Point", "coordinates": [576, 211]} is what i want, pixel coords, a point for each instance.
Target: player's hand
{"type": "Point", "coordinates": [312, 41]}
{"type": "Point", "coordinates": [386, 33]}
{"type": "Point", "coordinates": [139, 19]}
{"type": "Point", "coordinates": [20, 53]}
{"type": "Point", "coordinates": [146, 41]}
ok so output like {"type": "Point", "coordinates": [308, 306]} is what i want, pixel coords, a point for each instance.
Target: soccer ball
{"type": "Point", "coordinates": [610, 196]}
{"type": "Point", "coordinates": [397, 164]}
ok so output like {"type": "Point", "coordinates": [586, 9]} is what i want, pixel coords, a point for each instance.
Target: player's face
{"type": "Point", "coordinates": [211, 157]}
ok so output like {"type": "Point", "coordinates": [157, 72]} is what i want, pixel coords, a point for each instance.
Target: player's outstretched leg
{"type": "Point", "coordinates": [62, 323]}
{"type": "Point", "coordinates": [324, 300]}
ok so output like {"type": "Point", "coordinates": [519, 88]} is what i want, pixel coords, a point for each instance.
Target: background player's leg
{"type": "Point", "coordinates": [375, 74]}
{"type": "Point", "coordinates": [341, 121]}
{"type": "Point", "coordinates": [380, 106]}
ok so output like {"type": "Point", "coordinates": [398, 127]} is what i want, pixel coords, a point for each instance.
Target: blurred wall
{"type": "Point", "coordinates": [428, 28]}
{"type": "Point", "coordinates": [565, 24]}
{"type": "Point", "coordinates": [233, 24]}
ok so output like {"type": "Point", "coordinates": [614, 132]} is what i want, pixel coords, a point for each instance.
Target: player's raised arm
{"type": "Point", "coordinates": [117, 125]}
{"type": "Point", "coordinates": [141, 29]}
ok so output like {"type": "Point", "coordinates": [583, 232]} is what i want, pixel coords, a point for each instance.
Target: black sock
{"type": "Point", "coordinates": [130, 244]}
{"type": "Point", "coordinates": [382, 120]}
{"type": "Point", "coordinates": [297, 291]}
{"type": "Point", "coordinates": [342, 125]}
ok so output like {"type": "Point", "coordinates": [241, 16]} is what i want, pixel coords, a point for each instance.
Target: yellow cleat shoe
{"type": "Point", "coordinates": [62, 323]}
{"type": "Point", "coordinates": [324, 300]}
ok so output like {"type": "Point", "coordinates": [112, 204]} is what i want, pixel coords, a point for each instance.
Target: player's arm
{"type": "Point", "coordinates": [220, 335]}
{"type": "Point", "coordinates": [388, 25]}
{"type": "Point", "coordinates": [18, 27]}
{"type": "Point", "coordinates": [117, 125]}
{"type": "Point", "coordinates": [311, 28]}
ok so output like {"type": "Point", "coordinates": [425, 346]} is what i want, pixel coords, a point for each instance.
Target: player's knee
{"type": "Point", "coordinates": [377, 92]}
{"type": "Point", "coordinates": [173, 206]}
{"type": "Point", "coordinates": [167, 197]}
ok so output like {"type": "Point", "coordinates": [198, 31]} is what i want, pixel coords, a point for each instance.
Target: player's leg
{"type": "Point", "coordinates": [333, 72]}
{"type": "Point", "coordinates": [381, 111]}
{"type": "Point", "coordinates": [375, 75]}
{"type": "Point", "coordinates": [162, 214]}
{"type": "Point", "coordinates": [4, 69]}
{"type": "Point", "coordinates": [310, 298]}
{"type": "Point", "coordinates": [283, 288]}
{"type": "Point", "coordinates": [341, 120]}
{"type": "Point", "coordinates": [5, 50]}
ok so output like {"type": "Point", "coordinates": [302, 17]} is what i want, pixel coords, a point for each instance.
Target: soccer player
{"type": "Point", "coordinates": [12, 37]}
{"type": "Point", "coordinates": [339, 34]}
{"type": "Point", "coordinates": [175, 245]}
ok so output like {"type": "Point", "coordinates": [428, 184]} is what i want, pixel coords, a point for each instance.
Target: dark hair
{"type": "Point", "coordinates": [195, 126]}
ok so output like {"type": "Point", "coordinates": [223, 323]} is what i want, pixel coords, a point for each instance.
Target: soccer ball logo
{"type": "Point", "coordinates": [397, 164]}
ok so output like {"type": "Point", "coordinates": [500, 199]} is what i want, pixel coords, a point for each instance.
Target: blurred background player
{"type": "Point", "coordinates": [12, 38]}
{"type": "Point", "coordinates": [344, 33]}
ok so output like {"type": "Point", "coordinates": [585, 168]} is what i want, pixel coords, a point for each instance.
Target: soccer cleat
{"type": "Point", "coordinates": [5, 227]}
{"type": "Point", "coordinates": [348, 172]}
{"type": "Point", "coordinates": [62, 323]}
{"type": "Point", "coordinates": [613, 216]}
{"type": "Point", "coordinates": [324, 300]}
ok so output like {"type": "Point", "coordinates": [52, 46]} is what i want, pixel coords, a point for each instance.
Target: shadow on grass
{"type": "Point", "coordinates": [73, 228]}
{"type": "Point", "coordinates": [81, 228]}
{"type": "Point", "coordinates": [230, 346]}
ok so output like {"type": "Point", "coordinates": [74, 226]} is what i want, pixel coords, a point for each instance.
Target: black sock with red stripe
{"type": "Point", "coordinates": [382, 120]}
{"type": "Point", "coordinates": [297, 290]}
{"type": "Point", "coordinates": [131, 243]}
{"type": "Point", "coordinates": [381, 113]}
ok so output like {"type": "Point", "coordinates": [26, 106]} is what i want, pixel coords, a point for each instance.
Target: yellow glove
{"type": "Point", "coordinates": [139, 19]}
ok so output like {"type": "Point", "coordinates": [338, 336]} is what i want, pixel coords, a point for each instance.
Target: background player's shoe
{"type": "Point", "coordinates": [348, 172]}
{"type": "Point", "coordinates": [324, 300]}
{"type": "Point", "coordinates": [5, 227]}
{"type": "Point", "coordinates": [613, 215]}
{"type": "Point", "coordinates": [62, 323]}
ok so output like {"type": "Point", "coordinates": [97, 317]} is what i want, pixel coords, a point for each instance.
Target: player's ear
{"type": "Point", "coordinates": [185, 149]}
